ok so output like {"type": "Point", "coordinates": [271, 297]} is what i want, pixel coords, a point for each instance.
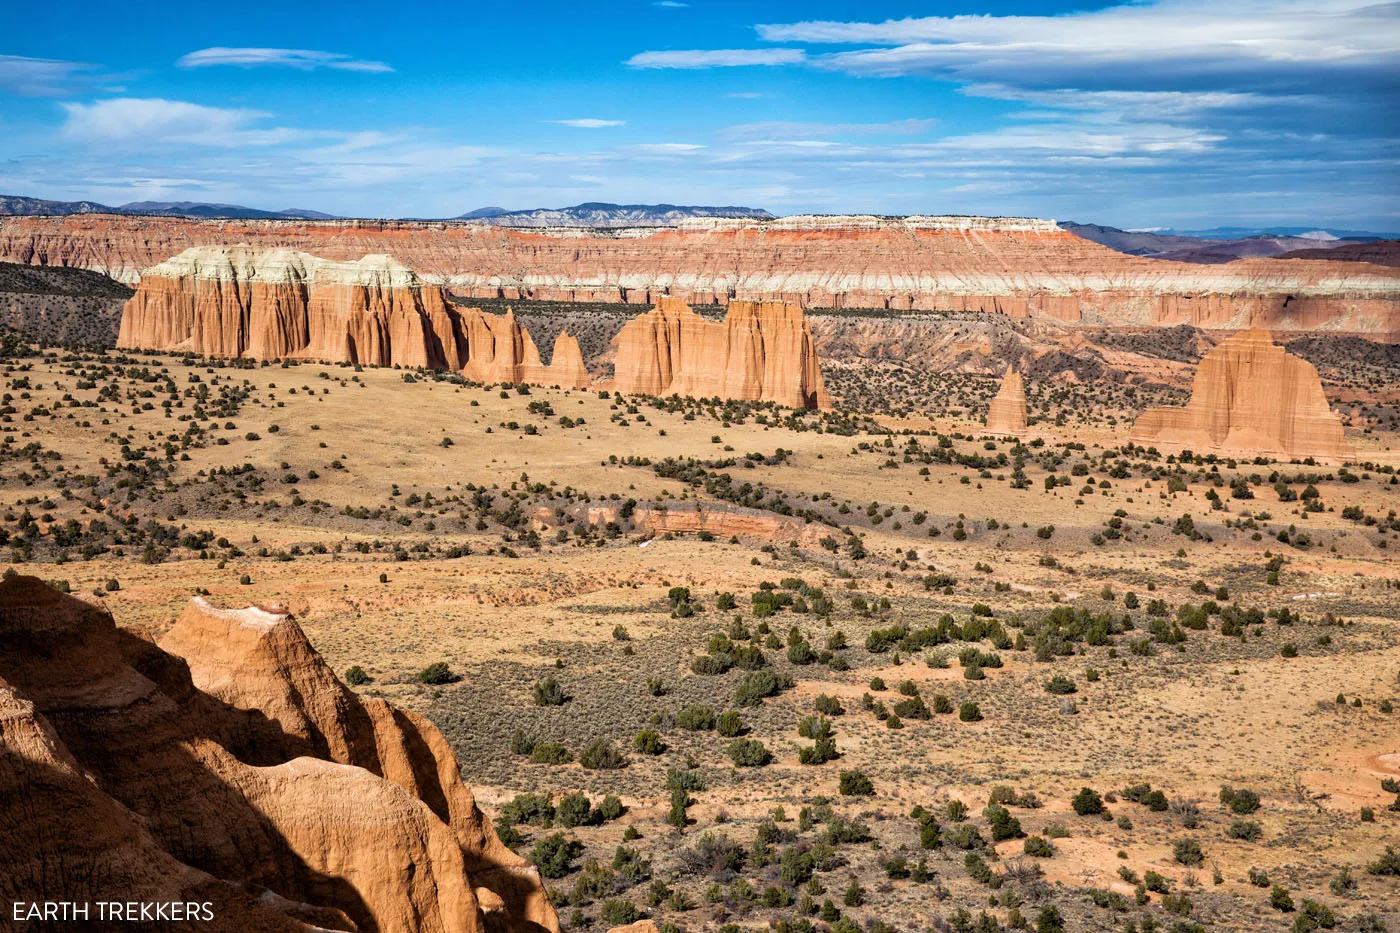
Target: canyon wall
{"type": "Point", "coordinates": [1250, 398]}
{"type": "Point", "coordinates": [762, 351]}
{"type": "Point", "coordinates": [268, 304]}
{"type": "Point", "coordinates": [993, 265]}
{"type": "Point", "coordinates": [228, 765]}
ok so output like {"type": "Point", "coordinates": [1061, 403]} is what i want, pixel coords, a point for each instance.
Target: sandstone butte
{"type": "Point", "coordinates": [1250, 398]}
{"type": "Point", "coordinates": [269, 304]}
{"type": "Point", "coordinates": [1011, 266]}
{"type": "Point", "coordinates": [762, 351]}
{"type": "Point", "coordinates": [228, 765]}
{"type": "Point", "coordinates": [1007, 414]}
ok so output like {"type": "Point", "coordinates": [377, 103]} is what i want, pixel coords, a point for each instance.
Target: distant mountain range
{"type": "Point", "coordinates": [591, 214]}
{"type": "Point", "coordinates": [1215, 245]}
{"type": "Point", "coordinates": [17, 205]}
{"type": "Point", "coordinates": [601, 214]}
{"type": "Point", "coordinates": [1229, 243]}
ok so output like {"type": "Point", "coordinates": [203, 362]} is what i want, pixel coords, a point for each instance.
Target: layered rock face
{"type": "Point", "coordinates": [229, 765]}
{"type": "Point", "coordinates": [1250, 398]}
{"type": "Point", "coordinates": [760, 352]}
{"type": "Point", "coordinates": [269, 304]}
{"type": "Point", "coordinates": [1007, 414]}
{"type": "Point", "coordinates": [1011, 266]}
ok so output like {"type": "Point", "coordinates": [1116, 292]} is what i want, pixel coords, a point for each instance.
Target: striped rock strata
{"type": "Point", "coordinates": [268, 304]}
{"type": "Point", "coordinates": [1017, 267]}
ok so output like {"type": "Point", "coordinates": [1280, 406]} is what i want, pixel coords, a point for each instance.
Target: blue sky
{"type": "Point", "coordinates": [1187, 113]}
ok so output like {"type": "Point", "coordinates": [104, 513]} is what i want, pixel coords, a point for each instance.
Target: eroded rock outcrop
{"type": "Point", "coordinates": [270, 304]}
{"type": "Point", "coordinates": [230, 766]}
{"type": "Point", "coordinates": [1007, 413]}
{"type": "Point", "coordinates": [762, 351]}
{"type": "Point", "coordinates": [1250, 398]}
{"type": "Point", "coordinates": [1013, 266]}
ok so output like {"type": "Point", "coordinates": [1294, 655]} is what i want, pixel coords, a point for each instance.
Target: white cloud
{"type": "Point", "coordinates": [671, 4]}
{"type": "Point", "coordinates": [717, 58]}
{"type": "Point", "coordinates": [1169, 39]}
{"type": "Point", "coordinates": [588, 123]}
{"type": "Point", "coordinates": [910, 127]}
{"type": "Point", "coordinates": [41, 77]}
{"type": "Point", "coordinates": [304, 59]}
{"type": "Point", "coordinates": [670, 147]}
{"type": "Point", "coordinates": [154, 121]}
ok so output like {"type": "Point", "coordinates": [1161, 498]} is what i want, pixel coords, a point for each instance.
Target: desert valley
{"type": "Point", "coordinates": [810, 574]}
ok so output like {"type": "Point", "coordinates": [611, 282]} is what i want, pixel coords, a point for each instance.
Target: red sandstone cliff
{"type": "Point", "coordinates": [267, 304]}
{"type": "Point", "coordinates": [1016, 267]}
{"type": "Point", "coordinates": [231, 766]}
{"type": "Point", "coordinates": [1250, 399]}
{"type": "Point", "coordinates": [760, 352]}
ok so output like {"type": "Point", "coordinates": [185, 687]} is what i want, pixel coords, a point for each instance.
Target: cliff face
{"type": "Point", "coordinates": [229, 765]}
{"type": "Point", "coordinates": [1250, 398]}
{"type": "Point", "coordinates": [1007, 414]}
{"type": "Point", "coordinates": [1015, 267]}
{"type": "Point", "coordinates": [761, 351]}
{"type": "Point", "coordinates": [266, 304]}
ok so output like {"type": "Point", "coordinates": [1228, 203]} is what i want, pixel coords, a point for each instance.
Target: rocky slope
{"type": "Point", "coordinates": [267, 304]}
{"type": "Point", "coordinates": [229, 766]}
{"type": "Point", "coordinates": [1250, 399]}
{"type": "Point", "coordinates": [61, 306]}
{"type": "Point", "coordinates": [1007, 413]}
{"type": "Point", "coordinates": [1014, 267]}
{"type": "Point", "coordinates": [761, 351]}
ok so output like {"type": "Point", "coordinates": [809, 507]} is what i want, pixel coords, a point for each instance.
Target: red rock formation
{"type": "Point", "coordinates": [1250, 399]}
{"type": "Point", "coordinates": [240, 301]}
{"type": "Point", "coordinates": [240, 773]}
{"type": "Point", "coordinates": [1008, 266]}
{"type": "Point", "coordinates": [500, 350]}
{"type": "Point", "coordinates": [760, 352]}
{"type": "Point", "coordinates": [1007, 414]}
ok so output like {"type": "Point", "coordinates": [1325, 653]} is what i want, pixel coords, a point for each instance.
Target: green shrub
{"type": "Point", "coordinates": [748, 753]}
{"type": "Point", "coordinates": [1037, 847]}
{"type": "Point", "coordinates": [618, 912]}
{"type": "Point", "coordinates": [649, 742]}
{"type": "Point", "coordinates": [573, 810]}
{"type": "Point", "coordinates": [730, 725]}
{"type": "Point", "coordinates": [356, 676]}
{"type": "Point", "coordinates": [1060, 685]}
{"type": "Point", "coordinates": [755, 686]}
{"type": "Point", "coordinates": [554, 855]}
{"type": "Point", "coordinates": [970, 712]}
{"type": "Point", "coordinates": [696, 718]}
{"type": "Point", "coordinates": [1087, 802]}
{"type": "Point", "coordinates": [437, 673]}
{"type": "Point", "coordinates": [602, 755]}
{"type": "Point", "coordinates": [1187, 851]}
{"type": "Point", "coordinates": [854, 783]}
{"type": "Point", "coordinates": [548, 693]}
{"type": "Point", "coordinates": [550, 753]}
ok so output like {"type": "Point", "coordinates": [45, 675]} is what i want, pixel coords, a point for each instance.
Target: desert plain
{"type": "Point", "coordinates": [865, 668]}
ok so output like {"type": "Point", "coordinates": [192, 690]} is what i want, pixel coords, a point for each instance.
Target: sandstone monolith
{"type": "Point", "coordinates": [761, 351]}
{"type": "Point", "coordinates": [1007, 414]}
{"type": "Point", "coordinates": [1250, 398]}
